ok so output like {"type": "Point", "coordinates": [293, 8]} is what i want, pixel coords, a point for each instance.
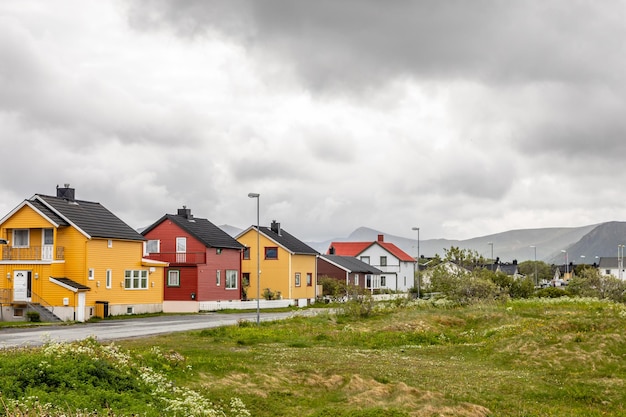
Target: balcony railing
{"type": "Point", "coordinates": [179, 258]}
{"type": "Point", "coordinates": [33, 253]}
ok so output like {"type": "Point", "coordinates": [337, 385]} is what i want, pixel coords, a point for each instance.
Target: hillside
{"type": "Point", "coordinates": [583, 244]}
{"type": "Point", "coordinates": [514, 244]}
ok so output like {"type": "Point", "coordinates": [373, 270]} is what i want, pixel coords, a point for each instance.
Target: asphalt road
{"type": "Point", "coordinates": [108, 330]}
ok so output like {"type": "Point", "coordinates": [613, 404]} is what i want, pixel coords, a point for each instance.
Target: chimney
{"type": "Point", "coordinates": [331, 250]}
{"type": "Point", "coordinates": [381, 238]}
{"type": "Point", "coordinates": [185, 212]}
{"type": "Point", "coordinates": [66, 193]}
{"type": "Point", "coordinates": [275, 227]}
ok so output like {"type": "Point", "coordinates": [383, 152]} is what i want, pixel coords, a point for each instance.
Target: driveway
{"type": "Point", "coordinates": [107, 330]}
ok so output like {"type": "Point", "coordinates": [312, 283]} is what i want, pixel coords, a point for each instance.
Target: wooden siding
{"type": "Point", "coordinates": [188, 284]}
{"type": "Point", "coordinates": [277, 274]}
{"type": "Point", "coordinates": [81, 254]}
{"type": "Point", "coordinates": [201, 278]}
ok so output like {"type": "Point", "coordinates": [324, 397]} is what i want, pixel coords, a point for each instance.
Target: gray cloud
{"type": "Point", "coordinates": [462, 118]}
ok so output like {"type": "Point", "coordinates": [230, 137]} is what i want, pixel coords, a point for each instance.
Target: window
{"type": "Point", "coordinates": [245, 279]}
{"type": "Point", "coordinates": [153, 246]}
{"type": "Point", "coordinates": [136, 279]}
{"type": "Point", "coordinates": [91, 274]}
{"type": "Point", "coordinates": [309, 279]}
{"type": "Point", "coordinates": [368, 278]}
{"type": "Point", "coordinates": [356, 279]}
{"type": "Point", "coordinates": [231, 279]}
{"type": "Point", "coordinates": [21, 238]}
{"type": "Point", "coordinates": [383, 281]}
{"type": "Point", "coordinates": [383, 261]}
{"type": "Point", "coordinates": [218, 251]}
{"type": "Point", "coordinates": [246, 253]}
{"type": "Point", "coordinates": [110, 243]}
{"type": "Point", "coordinates": [109, 278]}
{"type": "Point", "coordinates": [218, 277]}
{"type": "Point", "coordinates": [608, 272]}
{"type": "Point", "coordinates": [297, 279]}
{"type": "Point", "coordinates": [173, 278]}
{"type": "Point", "coordinates": [365, 259]}
{"type": "Point", "coordinates": [271, 252]}
{"type": "Point", "coordinates": [48, 236]}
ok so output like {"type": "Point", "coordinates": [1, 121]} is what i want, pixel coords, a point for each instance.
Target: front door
{"type": "Point", "coordinates": [21, 285]}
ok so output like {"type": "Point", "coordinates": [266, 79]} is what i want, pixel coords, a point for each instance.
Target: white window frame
{"type": "Point", "coordinates": [181, 249]}
{"type": "Point", "coordinates": [15, 242]}
{"type": "Point", "coordinates": [109, 278]}
{"type": "Point", "coordinates": [298, 279]}
{"type": "Point", "coordinates": [365, 259]}
{"type": "Point", "coordinates": [91, 274]}
{"type": "Point", "coordinates": [218, 278]}
{"type": "Point", "coordinates": [173, 278]}
{"type": "Point", "coordinates": [356, 279]}
{"type": "Point", "coordinates": [136, 279]}
{"type": "Point", "coordinates": [50, 233]}
{"type": "Point", "coordinates": [110, 243]}
{"type": "Point", "coordinates": [231, 279]}
{"type": "Point", "coordinates": [383, 260]}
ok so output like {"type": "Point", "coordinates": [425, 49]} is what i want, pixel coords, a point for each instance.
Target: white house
{"type": "Point", "coordinates": [398, 267]}
{"type": "Point", "coordinates": [612, 266]}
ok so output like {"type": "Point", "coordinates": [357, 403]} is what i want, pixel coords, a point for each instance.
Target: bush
{"type": "Point", "coordinates": [552, 292]}
{"type": "Point", "coordinates": [333, 288]}
{"type": "Point", "coordinates": [33, 316]}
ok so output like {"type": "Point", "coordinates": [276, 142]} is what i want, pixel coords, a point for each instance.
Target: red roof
{"type": "Point", "coordinates": [397, 252]}
{"type": "Point", "coordinates": [355, 248]}
{"type": "Point", "coordinates": [348, 248]}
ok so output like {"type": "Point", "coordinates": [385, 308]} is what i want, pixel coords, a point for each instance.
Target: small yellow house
{"type": "Point", "coordinates": [71, 259]}
{"type": "Point", "coordinates": [288, 266]}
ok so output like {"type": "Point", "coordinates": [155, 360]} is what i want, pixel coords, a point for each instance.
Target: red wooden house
{"type": "Point", "coordinates": [204, 261]}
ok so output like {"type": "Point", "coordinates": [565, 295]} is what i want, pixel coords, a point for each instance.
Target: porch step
{"type": "Point", "coordinates": [44, 314]}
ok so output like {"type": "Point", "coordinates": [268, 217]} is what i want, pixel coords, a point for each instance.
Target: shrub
{"type": "Point", "coordinates": [333, 288]}
{"type": "Point", "coordinates": [33, 316]}
{"type": "Point", "coordinates": [552, 292]}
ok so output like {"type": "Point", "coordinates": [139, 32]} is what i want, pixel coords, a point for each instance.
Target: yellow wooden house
{"type": "Point", "coordinates": [71, 259]}
{"type": "Point", "coordinates": [288, 266]}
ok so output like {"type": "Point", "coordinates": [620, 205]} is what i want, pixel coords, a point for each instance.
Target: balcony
{"type": "Point", "coordinates": [179, 258]}
{"type": "Point", "coordinates": [33, 253]}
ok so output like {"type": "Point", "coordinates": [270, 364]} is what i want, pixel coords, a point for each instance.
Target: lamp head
{"type": "Point", "coordinates": [253, 195]}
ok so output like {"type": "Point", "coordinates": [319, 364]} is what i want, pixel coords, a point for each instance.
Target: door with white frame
{"type": "Point", "coordinates": [47, 240]}
{"type": "Point", "coordinates": [181, 249]}
{"type": "Point", "coordinates": [21, 285]}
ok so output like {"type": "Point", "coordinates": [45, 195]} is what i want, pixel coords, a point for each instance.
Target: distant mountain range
{"type": "Point", "coordinates": [582, 244]}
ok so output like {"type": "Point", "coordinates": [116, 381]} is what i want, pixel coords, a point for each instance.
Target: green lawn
{"type": "Point", "coordinates": [555, 357]}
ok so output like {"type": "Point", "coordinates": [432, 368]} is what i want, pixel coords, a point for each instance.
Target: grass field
{"type": "Point", "coordinates": [554, 357]}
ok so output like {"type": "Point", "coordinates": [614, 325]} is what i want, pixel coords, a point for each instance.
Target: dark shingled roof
{"type": "Point", "coordinates": [352, 264]}
{"type": "Point", "coordinates": [71, 283]}
{"type": "Point", "coordinates": [288, 241]}
{"type": "Point", "coordinates": [48, 213]}
{"type": "Point", "coordinates": [202, 229]}
{"type": "Point", "coordinates": [92, 218]}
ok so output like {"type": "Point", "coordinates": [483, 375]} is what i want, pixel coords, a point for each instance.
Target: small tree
{"type": "Point", "coordinates": [333, 288]}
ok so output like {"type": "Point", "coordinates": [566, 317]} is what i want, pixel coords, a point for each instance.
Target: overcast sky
{"type": "Point", "coordinates": [464, 118]}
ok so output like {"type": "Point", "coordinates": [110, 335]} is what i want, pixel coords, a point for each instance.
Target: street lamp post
{"type": "Point", "coordinates": [536, 280]}
{"type": "Point", "coordinates": [491, 244]}
{"type": "Point", "coordinates": [566, 261]}
{"type": "Point", "coordinates": [620, 260]}
{"type": "Point", "coordinates": [418, 261]}
{"type": "Point", "coordinates": [258, 259]}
